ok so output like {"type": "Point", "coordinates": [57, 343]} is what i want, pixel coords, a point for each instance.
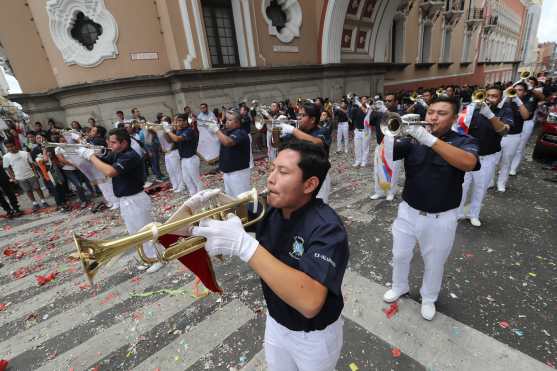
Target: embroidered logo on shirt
{"type": "Point", "coordinates": [297, 248]}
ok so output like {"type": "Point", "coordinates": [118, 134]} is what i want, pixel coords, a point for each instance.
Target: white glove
{"type": "Point", "coordinates": [286, 129]}
{"type": "Point", "coordinates": [200, 199]}
{"type": "Point", "coordinates": [213, 127]}
{"type": "Point", "coordinates": [226, 237]}
{"type": "Point", "coordinates": [85, 153]}
{"type": "Point", "coordinates": [421, 135]}
{"type": "Point", "coordinates": [518, 101]}
{"type": "Point", "coordinates": [486, 112]}
{"type": "Point", "coordinates": [167, 127]}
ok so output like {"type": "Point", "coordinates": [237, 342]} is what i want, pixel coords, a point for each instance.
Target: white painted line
{"type": "Point", "coordinates": [23, 309]}
{"type": "Point", "coordinates": [78, 315]}
{"type": "Point", "coordinates": [125, 332]}
{"type": "Point", "coordinates": [441, 344]}
{"type": "Point", "coordinates": [257, 363]}
{"type": "Point", "coordinates": [201, 339]}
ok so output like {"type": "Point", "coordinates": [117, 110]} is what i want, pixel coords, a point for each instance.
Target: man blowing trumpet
{"type": "Point", "coordinates": [300, 251]}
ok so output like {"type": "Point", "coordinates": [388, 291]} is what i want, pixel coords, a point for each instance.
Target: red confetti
{"type": "Point", "coordinates": [391, 310]}
{"type": "Point", "coordinates": [20, 273]}
{"type": "Point", "coordinates": [395, 352]}
{"type": "Point", "coordinates": [41, 280]}
{"type": "Point", "coordinates": [468, 255]}
{"type": "Point", "coordinates": [3, 365]}
{"type": "Point", "coordinates": [504, 324]}
{"type": "Point", "coordinates": [9, 252]}
{"type": "Point", "coordinates": [136, 279]}
{"type": "Point", "coordinates": [84, 286]}
{"type": "Point", "coordinates": [3, 307]}
{"type": "Point", "coordinates": [108, 298]}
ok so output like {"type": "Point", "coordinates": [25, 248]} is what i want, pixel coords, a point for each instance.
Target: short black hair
{"type": "Point", "coordinates": [521, 83]}
{"type": "Point", "coordinates": [121, 135]}
{"type": "Point", "coordinates": [101, 131]}
{"type": "Point", "coordinates": [446, 99]}
{"type": "Point", "coordinates": [312, 111]}
{"type": "Point", "coordinates": [314, 160]}
{"type": "Point", "coordinates": [119, 112]}
{"type": "Point", "coordinates": [182, 116]}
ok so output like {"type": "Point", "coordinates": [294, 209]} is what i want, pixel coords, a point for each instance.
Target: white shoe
{"type": "Point", "coordinates": [390, 197]}
{"type": "Point", "coordinates": [363, 165]}
{"type": "Point", "coordinates": [376, 196]}
{"type": "Point", "coordinates": [475, 222]}
{"type": "Point", "coordinates": [147, 184]}
{"type": "Point", "coordinates": [155, 267]}
{"type": "Point", "coordinates": [355, 164]}
{"type": "Point", "coordinates": [428, 311]}
{"type": "Point", "coordinates": [512, 172]}
{"type": "Point", "coordinates": [392, 296]}
{"type": "Point", "coordinates": [501, 188]}
{"type": "Point", "coordinates": [142, 267]}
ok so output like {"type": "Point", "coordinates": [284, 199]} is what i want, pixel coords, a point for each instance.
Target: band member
{"type": "Point", "coordinates": [510, 142]}
{"type": "Point", "coordinates": [187, 138]}
{"type": "Point", "coordinates": [19, 166]}
{"type": "Point", "coordinates": [234, 157]}
{"type": "Point", "coordinates": [120, 120]}
{"type": "Point", "coordinates": [97, 136]}
{"type": "Point", "coordinates": [420, 106]}
{"type": "Point", "coordinates": [381, 163]}
{"type": "Point", "coordinates": [531, 100]}
{"type": "Point", "coordinates": [246, 126]}
{"type": "Point", "coordinates": [488, 124]}
{"type": "Point", "coordinates": [205, 115]}
{"type": "Point", "coordinates": [362, 135]}
{"type": "Point", "coordinates": [300, 251]}
{"type": "Point", "coordinates": [11, 206]}
{"type": "Point", "coordinates": [435, 164]}
{"type": "Point", "coordinates": [125, 167]}
{"type": "Point", "coordinates": [310, 131]}
{"type": "Point", "coordinates": [274, 113]}
{"type": "Point", "coordinates": [171, 158]}
{"type": "Point", "coordinates": [341, 116]}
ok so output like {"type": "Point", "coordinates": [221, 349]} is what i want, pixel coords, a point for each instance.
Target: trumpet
{"type": "Point", "coordinates": [95, 254]}
{"type": "Point", "coordinates": [511, 92]}
{"type": "Point", "coordinates": [479, 96]}
{"type": "Point", "coordinates": [394, 125]}
{"type": "Point", "coordinates": [150, 125]}
{"type": "Point", "coordinates": [440, 92]}
{"type": "Point", "coordinates": [414, 97]}
{"type": "Point", "coordinates": [524, 75]}
{"type": "Point", "coordinates": [204, 123]}
{"type": "Point", "coordinates": [73, 148]}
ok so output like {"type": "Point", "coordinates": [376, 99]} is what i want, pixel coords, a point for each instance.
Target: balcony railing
{"type": "Point", "coordinates": [475, 15]}
{"type": "Point", "coordinates": [432, 6]}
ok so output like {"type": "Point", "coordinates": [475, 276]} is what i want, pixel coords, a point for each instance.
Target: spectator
{"type": "Point", "coordinates": [6, 191]}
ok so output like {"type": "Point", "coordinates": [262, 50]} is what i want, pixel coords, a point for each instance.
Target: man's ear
{"type": "Point", "coordinates": [310, 185]}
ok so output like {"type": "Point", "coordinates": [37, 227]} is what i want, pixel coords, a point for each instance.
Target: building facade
{"type": "Point", "coordinates": [76, 59]}
{"type": "Point", "coordinates": [530, 40]}
{"type": "Point", "coordinates": [547, 57]}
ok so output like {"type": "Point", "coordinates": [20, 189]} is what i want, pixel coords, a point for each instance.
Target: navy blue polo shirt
{"type": "Point", "coordinates": [245, 123]}
{"type": "Point", "coordinates": [321, 132]}
{"type": "Point", "coordinates": [518, 121]}
{"type": "Point", "coordinates": [187, 147]}
{"type": "Point", "coordinates": [421, 110]}
{"type": "Point", "coordinates": [315, 242]}
{"type": "Point", "coordinates": [432, 184]}
{"type": "Point", "coordinates": [130, 178]}
{"type": "Point", "coordinates": [481, 129]}
{"type": "Point", "coordinates": [237, 156]}
{"type": "Point", "coordinates": [531, 104]}
{"type": "Point", "coordinates": [340, 115]}
{"type": "Point", "coordinates": [358, 116]}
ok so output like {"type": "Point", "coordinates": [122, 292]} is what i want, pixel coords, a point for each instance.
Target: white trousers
{"type": "Point", "coordinates": [527, 130]}
{"type": "Point", "coordinates": [237, 182]}
{"type": "Point", "coordinates": [174, 168]}
{"type": "Point", "coordinates": [480, 182]}
{"type": "Point", "coordinates": [509, 144]}
{"type": "Point", "coordinates": [394, 178]}
{"type": "Point", "coordinates": [190, 174]}
{"type": "Point", "coordinates": [435, 235]}
{"type": "Point", "coordinates": [325, 189]}
{"type": "Point", "coordinates": [361, 146]}
{"type": "Point", "coordinates": [271, 152]}
{"type": "Point", "coordinates": [136, 212]}
{"type": "Point", "coordinates": [342, 136]}
{"type": "Point", "coordinates": [108, 192]}
{"type": "Point", "coordinates": [287, 350]}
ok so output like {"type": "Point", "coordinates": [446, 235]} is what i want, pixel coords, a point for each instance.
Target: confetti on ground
{"type": "Point", "coordinates": [3, 364]}
{"type": "Point", "coordinates": [391, 310]}
{"type": "Point", "coordinates": [170, 292]}
{"type": "Point", "coordinates": [41, 280]}
{"type": "Point", "coordinates": [518, 332]}
{"type": "Point", "coordinates": [504, 324]}
{"type": "Point", "coordinates": [3, 307]}
{"type": "Point", "coordinates": [353, 367]}
{"type": "Point", "coordinates": [395, 352]}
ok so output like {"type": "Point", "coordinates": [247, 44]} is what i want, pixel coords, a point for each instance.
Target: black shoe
{"type": "Point", "coordinates": [10, 214]}
{"type": "Point", "coordinates": [18, 212]}
{"type": "Point", "coordinates": [36, 207]}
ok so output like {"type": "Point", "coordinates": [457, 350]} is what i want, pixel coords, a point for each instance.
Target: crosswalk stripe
{"type": "Point", "coordinates": [57, 293]}
{"type": "Point", "coordinates": [30, 280]}
{"type": "Point", "coordinates": [77, 315]}
{"type": "Point", "coordinates": [257, 363]}
{"type": "Point", "coordinates": [33, 224]}
{"type": "Point", "coordinates": [435, 344]}
{"type": "Point", "coordinates": [118, 335]}
{"type": "Point", "coordinates": [200, 339]}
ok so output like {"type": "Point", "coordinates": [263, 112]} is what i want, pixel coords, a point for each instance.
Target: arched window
{"type": "Point", "coordinates": [397, 41]}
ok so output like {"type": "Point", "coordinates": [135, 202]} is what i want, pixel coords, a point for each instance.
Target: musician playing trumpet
{"type": "Point", "coordinates": [488, 124]}
{"type": "Point", "coordinates": [435, 161]}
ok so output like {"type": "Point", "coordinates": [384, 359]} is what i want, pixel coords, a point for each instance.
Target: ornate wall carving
{"type": "Point", "coordinates": [293, 12]}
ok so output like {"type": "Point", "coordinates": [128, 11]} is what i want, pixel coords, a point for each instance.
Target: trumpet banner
{"type": "Point", "coordinates": [383, 162]}
{"type": "Point", "coordinates": [208, 147]}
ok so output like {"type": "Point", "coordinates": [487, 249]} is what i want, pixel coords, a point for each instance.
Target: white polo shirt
{"type": "Point", "coordinates": [20, 164]}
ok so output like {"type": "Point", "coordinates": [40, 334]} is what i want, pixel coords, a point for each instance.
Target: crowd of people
{"type": "Point", "coordinates": [451, 141]}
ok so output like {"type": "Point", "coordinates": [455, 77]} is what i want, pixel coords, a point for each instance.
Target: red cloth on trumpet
{"type": "Point", "coordinates": [198, 262]}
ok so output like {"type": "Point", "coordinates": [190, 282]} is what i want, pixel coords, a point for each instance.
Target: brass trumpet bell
{"type": "Point", "coordinates": [394, 125]}
{"type": "Point", "coordinates": [479, 96]}
{"type": "Point", "coordinates": [511, 92]}
{"type": "Point", "coordinates": [96, 253]}
{"type": "Point", "coordinates": [525, 74]}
